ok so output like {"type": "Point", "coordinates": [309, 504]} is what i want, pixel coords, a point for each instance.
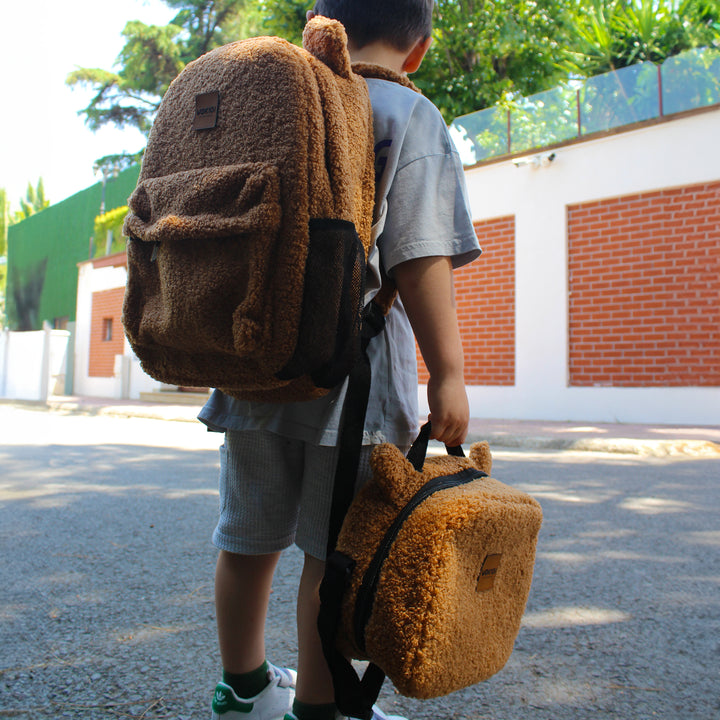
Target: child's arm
{"type": "Point", "coordinates": [426, 288]}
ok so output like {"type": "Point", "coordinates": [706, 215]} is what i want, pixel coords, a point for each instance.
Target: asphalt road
{"type": "Point", "coordinates": [106, 595]}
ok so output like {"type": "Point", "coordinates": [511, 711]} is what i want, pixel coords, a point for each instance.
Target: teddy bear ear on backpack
{"type": "Point", "coordinates": [394, 475]}
{"type": "Point", "coordinates": [481, 457]}
{"type": "Point", "coordinates": [327, 40]}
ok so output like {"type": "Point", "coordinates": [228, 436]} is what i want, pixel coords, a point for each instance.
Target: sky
{"type": "Point", "coordinates": [41, 133]}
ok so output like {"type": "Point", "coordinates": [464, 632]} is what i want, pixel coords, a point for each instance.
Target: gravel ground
{"type": "Point", "coordinates": [106, 599]}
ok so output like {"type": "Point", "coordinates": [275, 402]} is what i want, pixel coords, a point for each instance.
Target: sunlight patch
{"type": "Point", "coordinates": [655, 505]}
{"type": "Point", "coordinates": [563, 691]}
{"type": "Point", "coordinates": [568, 558]}
{"type": "Point", "coordinates": [571, 616]}
{"type": "Point", "coordinates": [709, 537]}
{"type": "Point", "coordinates": [564, 495]}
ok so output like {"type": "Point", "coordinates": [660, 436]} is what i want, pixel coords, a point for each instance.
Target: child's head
{"type": "Point", "coordinates": [398, 23]}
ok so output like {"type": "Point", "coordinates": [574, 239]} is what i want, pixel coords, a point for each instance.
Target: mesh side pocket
{"type": "Point", "coordinates": [329, 332]}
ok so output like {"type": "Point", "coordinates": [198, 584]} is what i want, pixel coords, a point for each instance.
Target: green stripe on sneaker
{"type": "Point", "coordinates": [224, 701]}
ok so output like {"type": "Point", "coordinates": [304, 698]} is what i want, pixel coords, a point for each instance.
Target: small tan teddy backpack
{"type": "Point", "coordinates": [430, 576]}
{"type": "Point", "coordinates": [250, 225]}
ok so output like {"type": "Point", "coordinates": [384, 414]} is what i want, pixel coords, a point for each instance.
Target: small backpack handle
{"type": "Point", "coordinates": [418, 451]}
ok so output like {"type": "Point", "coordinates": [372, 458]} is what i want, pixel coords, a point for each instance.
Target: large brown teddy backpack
{"type": "Point", "coordinates": [250, 225]}
{"type": "Point", "coordinates": [430, 577]}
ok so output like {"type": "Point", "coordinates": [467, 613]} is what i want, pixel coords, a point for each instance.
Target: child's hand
{"type": "Point", "coordinates": [449, 410]}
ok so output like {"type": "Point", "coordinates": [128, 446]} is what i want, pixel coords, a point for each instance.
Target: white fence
{"type": "Point", "coordinates": [33, 365]}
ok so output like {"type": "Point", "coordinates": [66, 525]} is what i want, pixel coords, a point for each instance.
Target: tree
{"type": "Point", "coordinates": [108, 236]}
{"type": "Point", "coordinates": [151, 58]}
{"type": "Point", "coordinates": [484, 52]}
{"type": "Point", "coordinates": [613, 34]}
{"type": "Point", "coordinates": [33, 202]}
{"type": "Point", "coordinates": [285, 18]}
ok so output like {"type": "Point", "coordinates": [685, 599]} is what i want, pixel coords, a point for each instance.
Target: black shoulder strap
{"type": "Point", "coordinates": [353, 423]}
{"type": "Point", "coordinates": [353, 696]}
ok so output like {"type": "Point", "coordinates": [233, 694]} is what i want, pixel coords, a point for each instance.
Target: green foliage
{"type": "Point", "coordinates": [109, 225]}
{"type": "Point", "coordinates": [151, 58]}
{"type": "Point", "coordinates": [284, 18]}
{"type": "Point", "coordinates": [613, 34]}
{"type": "Point", "coordinates": [149, 61]}
{"type": "Point", "coordinates": [33, 202]}
{"type": "Point", "coordinates": [484, 52]}
{"type": "Point", "coordinates": [111, 220]}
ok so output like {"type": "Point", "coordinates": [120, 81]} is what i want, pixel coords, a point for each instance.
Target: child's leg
{"type": "Point", "coordinates": [314, 684]}
{"type": "Point", "coordinates": [314, 681]}
{"type": "Point", "coordinates": [242, 592]}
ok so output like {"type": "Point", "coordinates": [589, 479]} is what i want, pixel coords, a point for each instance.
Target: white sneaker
{"type": "Point", "coordinates": [378, 714]}
{"type": "Point", "coordinates": [270, 704]}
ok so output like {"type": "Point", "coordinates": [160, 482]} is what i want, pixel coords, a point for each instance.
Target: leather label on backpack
{"type": "Point", "coordinates": [206, 110]}
{"type": "Point", "coordinates": [488, 571]}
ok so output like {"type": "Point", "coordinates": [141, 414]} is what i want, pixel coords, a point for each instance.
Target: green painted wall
{"type": "Point", "coordinates": [44, 250]}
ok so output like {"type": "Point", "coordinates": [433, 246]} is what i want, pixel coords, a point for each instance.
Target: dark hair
{"type": "Point", "coordinates": [400, 23]}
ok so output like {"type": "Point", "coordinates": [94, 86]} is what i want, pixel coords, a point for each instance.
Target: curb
{"type": "Point", "coordinates": [174, 413]}
{"type": "Point", "coordinates": [626, 446]}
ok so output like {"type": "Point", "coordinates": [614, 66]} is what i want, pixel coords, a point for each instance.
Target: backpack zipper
{"type": "Point", "coordinates": [366, 593]}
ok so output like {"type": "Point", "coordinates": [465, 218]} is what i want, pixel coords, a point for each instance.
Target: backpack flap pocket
{"type": "Point", "coordinates": [200, 243]}
{"type": "Point", "coordinates": [205, 203]}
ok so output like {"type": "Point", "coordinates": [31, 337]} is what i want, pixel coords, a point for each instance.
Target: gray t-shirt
{"type": "Point", "coordinates": [421, 210]}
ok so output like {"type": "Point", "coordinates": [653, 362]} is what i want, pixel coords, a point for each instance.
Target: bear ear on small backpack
{"type": "Point", "coordinates": [392, 473]}
{"type": "Point", "coordinates": [481, 457]}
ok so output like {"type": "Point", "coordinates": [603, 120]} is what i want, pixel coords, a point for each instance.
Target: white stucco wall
{"type": "Point", "coordinates": [33, 364]}
{"type": "Point", "coordinates": [682, 152]}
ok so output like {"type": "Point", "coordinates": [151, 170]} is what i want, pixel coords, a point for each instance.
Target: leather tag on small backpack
{"type": "Point", "coordinates": [206, 111]}
{"type": "Point", "coordinates": [488, 571]}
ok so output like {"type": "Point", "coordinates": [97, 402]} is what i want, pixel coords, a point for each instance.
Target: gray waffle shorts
{"type": "Point", "coordinates": [275, 491]}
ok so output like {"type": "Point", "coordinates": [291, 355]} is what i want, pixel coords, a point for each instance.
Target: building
{"type": "Point", "coordinates": [597, 297]}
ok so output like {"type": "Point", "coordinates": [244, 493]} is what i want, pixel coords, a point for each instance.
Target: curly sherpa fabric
{"type": "Point", "coordinates": [220, 222]}
{"type": "Point", "coordinates": [453, 589]}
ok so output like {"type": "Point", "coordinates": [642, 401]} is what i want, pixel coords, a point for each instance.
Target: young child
{"type": "Point", "coordinates": [278, 461]}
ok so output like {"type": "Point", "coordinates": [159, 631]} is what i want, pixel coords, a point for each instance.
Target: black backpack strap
{"type": "Point", "coordinates": [353, 696]}
{"type": "Point", "coordinates": [418, 451]}
{"type": "Point", "coordinates": [353, 424]}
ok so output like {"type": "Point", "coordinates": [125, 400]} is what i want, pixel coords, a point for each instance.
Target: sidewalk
{"type": "Point", "coordinates": [651, 440]}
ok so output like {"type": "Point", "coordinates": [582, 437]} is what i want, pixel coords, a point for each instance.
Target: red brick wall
{"type": "Point", "coordinates": [485, 292]}
{"type": "Point", "coordinates": [106, 305]}
{"type": "Point", "coordinates": [644, 275]}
